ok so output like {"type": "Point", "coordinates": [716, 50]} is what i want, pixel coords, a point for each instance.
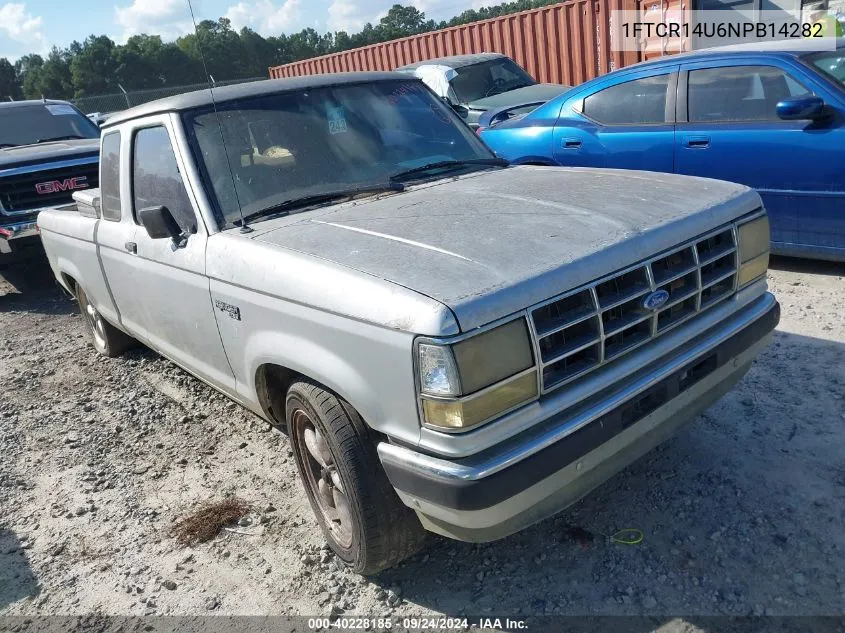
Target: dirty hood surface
{"type": "Point", "coordinates": [492, 243]}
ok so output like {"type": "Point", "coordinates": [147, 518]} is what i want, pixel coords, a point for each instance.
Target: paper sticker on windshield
{"type": "Point", "coordinates": [60, 108]}
{"type": "Point", "coordinates": [337, 122]}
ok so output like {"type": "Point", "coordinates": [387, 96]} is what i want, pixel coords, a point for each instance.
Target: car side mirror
{"type": "Point", "coordinates": [160, 223]}
{"type": "Point", "coordinates": [801, 108]}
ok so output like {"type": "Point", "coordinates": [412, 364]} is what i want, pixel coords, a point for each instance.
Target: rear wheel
{"type": "Point", "coordinates": [107, 339]}
{"type": "Point", "coordinates": [361, 516]}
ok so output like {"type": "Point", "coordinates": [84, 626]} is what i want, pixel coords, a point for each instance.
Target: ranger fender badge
{"type": "Point", "coordinates": [228, 308]}
{"type": "Point", "coordinates": [655, 300]}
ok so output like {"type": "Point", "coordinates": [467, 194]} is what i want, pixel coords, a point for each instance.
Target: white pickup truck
{"type": "Point", "coordinates": [452, 344]}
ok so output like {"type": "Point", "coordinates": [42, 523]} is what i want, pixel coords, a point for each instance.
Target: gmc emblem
{"type": "Point", "coordinates": [68, 184]}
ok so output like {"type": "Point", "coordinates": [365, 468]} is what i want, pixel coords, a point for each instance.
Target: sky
{"type": "Point", "coordinates": [34, 26]}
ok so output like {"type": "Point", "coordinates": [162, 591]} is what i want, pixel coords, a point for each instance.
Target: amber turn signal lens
{"type": "Point", "coordinates": [467, 412]}
{"type": "Point", "coordinates": [751, 270]}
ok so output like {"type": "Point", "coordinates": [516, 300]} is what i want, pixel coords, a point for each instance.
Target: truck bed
{"type": "Point", "coordinates": [69, 234]}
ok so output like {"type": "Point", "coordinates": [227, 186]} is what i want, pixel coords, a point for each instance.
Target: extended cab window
{"type": "Point", "coordinates": [739, 93]}
{"type": "Point", "coordinates": [636, 102]}
{"type": "Point", "coordinates": [156, 180]}
{"type": "Point", "coordinates": [110, 176]}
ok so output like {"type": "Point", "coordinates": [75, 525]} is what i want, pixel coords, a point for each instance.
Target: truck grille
{"type": "Point", "coordinates": [18, 193]}
{"type": "Point", "coordinates": [583, 329]}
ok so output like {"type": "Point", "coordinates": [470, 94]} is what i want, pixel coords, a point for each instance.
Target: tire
{"type": "Point", "coordinates": [106, 339]}
{"type": "Point", "coordinates": [366, 524]}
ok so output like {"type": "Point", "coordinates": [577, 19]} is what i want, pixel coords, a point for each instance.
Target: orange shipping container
{"type": "Point", "coordinates": [565, 43]}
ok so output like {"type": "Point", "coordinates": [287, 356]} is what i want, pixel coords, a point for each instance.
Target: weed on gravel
{"type": "Point", "coordinates": [206, 523]}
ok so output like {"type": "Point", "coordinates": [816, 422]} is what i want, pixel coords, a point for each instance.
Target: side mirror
{"type": "Point", "coordinates": [799, 108]}
{"type": "Point", "coordinates": [159, 223]}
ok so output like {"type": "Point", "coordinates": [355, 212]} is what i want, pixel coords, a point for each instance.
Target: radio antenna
{"type": "Point", "coordinates": [212, 84]}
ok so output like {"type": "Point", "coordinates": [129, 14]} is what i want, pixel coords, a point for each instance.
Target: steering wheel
{"type": "Point", "coordinates": [499, 85]}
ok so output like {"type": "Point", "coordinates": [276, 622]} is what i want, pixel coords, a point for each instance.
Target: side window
{"type": "Point", "coordinates": [156, 180]}
{"type": "Point", "coordinates": [110, 177]}
{"type": "Point", "coordinates": [739, 93]}
{"type": "Point", "coordinates": [634, 102]}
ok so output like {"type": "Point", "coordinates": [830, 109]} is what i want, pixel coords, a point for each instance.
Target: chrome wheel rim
{"type": "Point", "coordinates": [95, 322]}
{"type": "Point", "coordinates": [323, 478]}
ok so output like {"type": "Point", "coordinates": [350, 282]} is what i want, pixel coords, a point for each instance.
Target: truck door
{"type": "Point", "coordinates": [170, 290]}
{"type": "Point", "coordinates": [115, 230]}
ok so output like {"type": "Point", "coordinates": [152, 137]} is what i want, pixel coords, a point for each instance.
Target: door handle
{"type": "Point", "coordinates": [132, 247]}
{"type": "Point", "coordinates": [699, 142]}
{"type": "Point", "coordinates": [571, 143]}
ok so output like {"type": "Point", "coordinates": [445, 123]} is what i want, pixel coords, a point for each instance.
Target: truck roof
{"type": "Point", "coordinates": [201, 98]}
{"type": "Point", "coordinates": [454, 61]}
{"type": "Point", "coordinates": [8, 105]}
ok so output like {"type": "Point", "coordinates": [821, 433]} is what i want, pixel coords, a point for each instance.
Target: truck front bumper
{"type": "Point", "coordinates": [542, 471]}
{"type": "Point", "coordinates": [15, 231]}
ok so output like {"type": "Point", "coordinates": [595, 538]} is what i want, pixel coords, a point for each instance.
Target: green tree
{"type": "Point", "coordinates": [257, 53]}
{"type": "Point", "coordinates": [138, 63]}
{"type": "Point", "coordinates": [50, 78]}
{"type": "Point", "coordinates": [219, 46]}
{"type": "Point", "coordinates": [93, 67]}
{"type": "Point", "coordinates": [28, 69]}
{"type": "Point", "coordinates": [401, 22]}
{"type": "Point", "coordinates": [9, 85]}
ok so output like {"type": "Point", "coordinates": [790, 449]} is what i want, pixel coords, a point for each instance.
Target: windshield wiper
{"type": "Point", "coordinates": [8, 145]}
{"type": "Point", "coordinates": [448, 164]}
{"type": "Point", "coordinates": [306, 201]}
{"type": "Point", "coordinates": [59, 138]}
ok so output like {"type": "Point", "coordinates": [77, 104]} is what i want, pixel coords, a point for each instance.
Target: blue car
{"type": "Point", "coordinates": [772, 119]}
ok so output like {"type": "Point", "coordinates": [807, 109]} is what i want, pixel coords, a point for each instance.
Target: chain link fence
{"type": "Point", "coordinates": [123, 100]}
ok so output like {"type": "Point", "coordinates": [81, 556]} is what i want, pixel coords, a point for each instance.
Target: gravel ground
{"type": "Point", "coordinates": [742, 512]}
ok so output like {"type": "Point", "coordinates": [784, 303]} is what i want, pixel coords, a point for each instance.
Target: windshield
{"type": "Point", "coordinates": [37, 123]}
{"type": "Point", "coordinates": [489, 78]}
{"type": "Point", "coordinates": [299, 144]}
{"type": "Point", "coordinates": [831, 64]}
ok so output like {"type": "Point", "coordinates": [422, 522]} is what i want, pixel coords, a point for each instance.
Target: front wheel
{"type": "Point", "coordinates": [361, 516]}
{"type": "Point", "coordinates": [107, 339]}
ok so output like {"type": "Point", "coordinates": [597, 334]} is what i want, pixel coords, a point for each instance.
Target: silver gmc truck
{"type": "Point", "coordinates": [48, 150]}
{"type": "Point", "coordinates": [452, 344]}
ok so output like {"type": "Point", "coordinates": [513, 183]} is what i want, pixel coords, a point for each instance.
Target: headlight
{"type": "Point", "coordinates": [438, 374]}
{"type": "Point", "coordinates": [753, 242]}
{"type": "Point", "coordinates": [474, 380]}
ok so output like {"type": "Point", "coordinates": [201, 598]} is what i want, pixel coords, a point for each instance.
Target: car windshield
{"type": "Point", "coordinates": [38, 123]}
{"type": "Point", "coordinates": [486, 79]}
{"type": "Point", "coordinates": [301, 145]}
{"type": "Point", "coordinates": [831, 64]}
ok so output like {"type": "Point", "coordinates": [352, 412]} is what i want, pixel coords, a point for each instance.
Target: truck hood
{"type": "Point", "coordinates": [495, 242]}
{"type": "Point", "coordinates": [50, 151]}
{"type": "Point", "coordinates": [537, 92]}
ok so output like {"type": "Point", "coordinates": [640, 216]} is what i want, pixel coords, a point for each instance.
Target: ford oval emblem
{"type": "Point", "coordinates": [655, 300]}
